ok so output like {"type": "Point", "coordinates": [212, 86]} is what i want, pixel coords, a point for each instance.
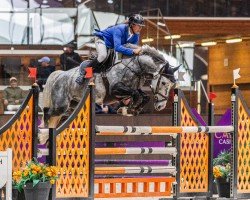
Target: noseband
{"type": "Point", "coordinates": [156, 91]}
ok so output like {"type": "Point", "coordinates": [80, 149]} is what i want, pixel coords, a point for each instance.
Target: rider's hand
{"type": "Point", "coordinates": [137, 51]}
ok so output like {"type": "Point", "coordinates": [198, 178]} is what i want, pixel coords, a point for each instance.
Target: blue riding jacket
{"type": "Point", "coordinates": [116, 36]}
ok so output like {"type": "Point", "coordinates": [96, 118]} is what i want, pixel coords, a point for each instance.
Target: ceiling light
{"type": "Point", "coordinates": [204, 77]}
{"type": "Point", "coordinates": [161, 24]}
{"type": "Point", "coordinates": [234, 40]}
{"type": "Point", "coordinates": [45, 1]}
{"type": "Point", "coordinates": [183, 45]}
{"type": "Point", "coordinates": [205, 44]}
{"type": "Point", "coordinates": [110, 1]}
{"type": "Point", "coordinates": [86, 1]}
{"type": "Point", "coordinates": [169, 37]}
{"type": "Point", "coordinates": [147, 40]}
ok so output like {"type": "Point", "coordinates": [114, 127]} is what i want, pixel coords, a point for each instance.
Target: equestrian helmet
{"type": "Point", "coordinates": [136, 19]}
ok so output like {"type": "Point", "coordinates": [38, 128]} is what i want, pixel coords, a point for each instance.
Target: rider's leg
{"type": "Point", "coordinates": [101, 56]}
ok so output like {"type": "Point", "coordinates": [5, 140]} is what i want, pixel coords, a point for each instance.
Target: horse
{"type": "Point", "coordinates": [125, 80]}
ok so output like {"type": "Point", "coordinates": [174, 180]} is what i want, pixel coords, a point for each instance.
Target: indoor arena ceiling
{"type": "Point", "coordinates": [197, 30]}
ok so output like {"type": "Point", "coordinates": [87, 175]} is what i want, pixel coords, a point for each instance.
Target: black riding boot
{"type": "Point", "coordinates": [94, 64]}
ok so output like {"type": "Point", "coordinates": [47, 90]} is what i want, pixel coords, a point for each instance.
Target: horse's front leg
{"type": "Point", "coordinates": [121, 91]}
{"type": "Point", "coordinates": [140, 99]}
{"type": "Point", "coordinates": [145, 99]}
{"type": "Point", "coordinates": [137, 99]}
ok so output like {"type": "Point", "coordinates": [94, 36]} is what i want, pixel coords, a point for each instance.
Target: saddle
{"type": "Point", "coordinates": [107, 63]}
{"type": "Point", "coordinates": [105, 66]}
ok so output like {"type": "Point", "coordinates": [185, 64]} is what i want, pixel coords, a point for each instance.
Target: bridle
{"type": "Point", "coordinates": [161, 73]}
{"type": "Point", "coordinates": [137, 74]}
{"type": "Point", "coordinates": [156, 90]}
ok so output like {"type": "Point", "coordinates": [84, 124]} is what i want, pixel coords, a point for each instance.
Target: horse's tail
{"type": "Point", "coordinates": [47, 88]}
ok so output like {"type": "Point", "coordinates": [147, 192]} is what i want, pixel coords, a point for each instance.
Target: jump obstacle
{"type": "Point", "coordinates": [71, 149]}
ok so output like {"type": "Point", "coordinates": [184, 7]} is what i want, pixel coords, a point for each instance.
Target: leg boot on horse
{"type": "Point", "coordinates": [145, 100]}
{"type": "Point", "coordinates": [139, 101]}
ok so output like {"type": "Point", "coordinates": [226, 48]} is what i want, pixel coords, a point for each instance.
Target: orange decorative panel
{"type": "Point", "coordinates": [243, 185]}
{"type": "Point", "coordinates": [19, 137]}
{"type": "Point", "coordinates": [193, 156]}
{"type": "Point", "coordinates": [133, 187]}
{"type": "Point", "coordinates": [72, 148]}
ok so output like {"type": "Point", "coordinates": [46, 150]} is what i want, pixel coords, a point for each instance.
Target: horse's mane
{"type": "Point", "coordinates": [150, 56]}
{"type": "Point", "coordinates": [151, 51]}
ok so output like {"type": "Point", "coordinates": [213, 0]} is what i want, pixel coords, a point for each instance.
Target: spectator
{"type": "Point", "coordinates": [69, 59]}
{"type": "Point", "coordinates": [13, 96]}
{"type": "Point", "coordinates": [104, 109]}
{"type": "Point", "coordinates": [43, 71]}
{"type": "Point", "coordinates": [234, 11]}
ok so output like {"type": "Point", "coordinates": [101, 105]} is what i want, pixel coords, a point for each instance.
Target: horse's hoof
{"type": "Point", "coordinates": [42, 139]}
{"type": "Point", "coordinates": [119, 111]}
{"type": "Point", "coordinates": [123, 111]}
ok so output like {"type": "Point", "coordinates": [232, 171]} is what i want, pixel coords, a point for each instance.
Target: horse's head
{"type": "Point", "coordinates": [151, 61]}
{"type": "Point", "coordinates": [161, 85]}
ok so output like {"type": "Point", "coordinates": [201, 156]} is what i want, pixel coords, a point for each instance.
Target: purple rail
{"type": "Point", "coordinates": [130, 144]}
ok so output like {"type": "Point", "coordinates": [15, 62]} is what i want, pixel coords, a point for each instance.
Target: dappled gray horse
{"type": "Point", "coordinates": [124, 79]}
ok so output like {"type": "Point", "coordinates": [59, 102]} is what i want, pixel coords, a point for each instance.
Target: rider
{"type": "Point", "coordinates": [115, 37]}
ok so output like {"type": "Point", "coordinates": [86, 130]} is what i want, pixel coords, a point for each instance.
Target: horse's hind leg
{"type": "Point", "coordinates": [55, 115]}
{"type": "Point", "coordinates": [54, 121]}
{"type": "Point", "coordinates": [46, 117]}
{"type": "Point", "coordinates": [59, 104]}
